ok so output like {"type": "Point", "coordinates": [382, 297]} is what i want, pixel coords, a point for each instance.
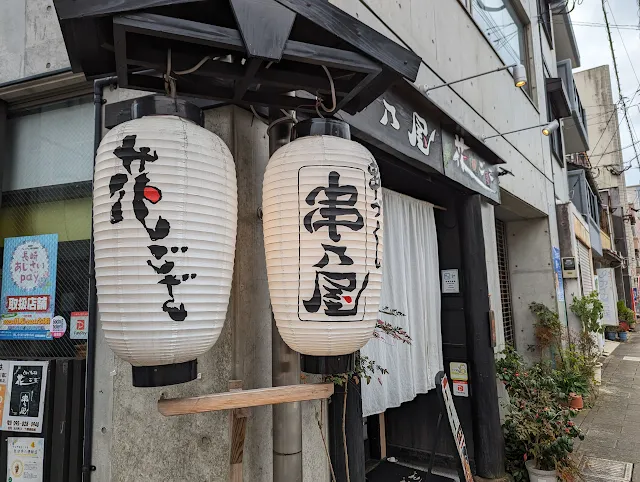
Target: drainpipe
{"type": "Point", "coordinates": [87, 466]}
{"type": "Point", "coordinates": [287, 417]}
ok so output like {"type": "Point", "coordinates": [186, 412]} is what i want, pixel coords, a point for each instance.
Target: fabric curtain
{"type": "Point", "coordinates": [411, 285]}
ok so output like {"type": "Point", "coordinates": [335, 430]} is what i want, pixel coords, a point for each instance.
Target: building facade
{"type": "Point", "coordinates": [517, 219]}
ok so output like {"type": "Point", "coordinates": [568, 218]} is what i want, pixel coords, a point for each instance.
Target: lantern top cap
{"type": "Point", "coordinates": [163, 105]}
{"type": "Point", "coordinates": [321, 127]}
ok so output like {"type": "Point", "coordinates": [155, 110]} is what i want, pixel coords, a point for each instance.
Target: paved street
{"type": "Point", "coordinates": [612, 426]}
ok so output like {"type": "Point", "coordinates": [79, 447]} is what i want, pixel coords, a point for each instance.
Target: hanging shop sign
{"type": "Point", "coordinates": [165, 216]}
{"type": "Point", "coordinates": [25, 459]}
{"type": "Point", "coordinates": [322, 217]}
{"type": "Point", "coordinates": [79, 325]}
{"type": "Point", "coordinates": [466, 167]}
{"type": "Point", "coordinates": [28, 287]}
{"type": "Point", "coordinates": [557, 269]}
{"type": "Point", "coordinates": [24, 399]}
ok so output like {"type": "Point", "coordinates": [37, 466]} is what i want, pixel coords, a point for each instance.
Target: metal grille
{"type": "Point", "coordinates": [505, 283]}
{"type": "Point", "coordinates": [47, 190]}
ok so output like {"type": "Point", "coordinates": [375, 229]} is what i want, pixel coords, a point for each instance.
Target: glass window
{"type": "Point", "coordinates": [503, 28]}
{"type": "Point", "coordinates": [50, 145]}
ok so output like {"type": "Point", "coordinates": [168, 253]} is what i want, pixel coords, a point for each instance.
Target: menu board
{"type": "Point", "coordinates": [456, 428]}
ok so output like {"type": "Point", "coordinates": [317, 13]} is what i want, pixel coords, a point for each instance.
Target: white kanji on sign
{"type": "Point", "coordinates": [418, 137]}
{"type": "Point", "coordinates": [389, 110]}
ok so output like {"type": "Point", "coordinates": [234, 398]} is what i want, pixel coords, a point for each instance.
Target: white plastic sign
{"type": "Point", "coordinates": [25, 459]}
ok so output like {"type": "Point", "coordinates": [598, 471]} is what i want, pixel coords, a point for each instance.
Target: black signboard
{"type": "Point", "coordinates": [26, 390]}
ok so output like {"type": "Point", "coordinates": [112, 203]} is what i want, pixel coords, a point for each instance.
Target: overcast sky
{"type": "Point", "coordinates": [594, 51]}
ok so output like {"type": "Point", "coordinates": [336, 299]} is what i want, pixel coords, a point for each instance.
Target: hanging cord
{"type": "Point", "coordinates": [169, 81]}
{"type": "Point", "coordinates": [195, 67]}
{"type": "Point", "coordinates": [333, 94]}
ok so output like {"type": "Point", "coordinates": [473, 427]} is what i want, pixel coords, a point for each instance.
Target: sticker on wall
{"type": "Point", "coordinates": [557, 268]}
{"type": "Point", "coordinates": [460, 389]}
{"type": "Point", "coordinates": [79, 325]}
{"type": "Point", "coordinates": [25, 459]}
{"type": "Point", "coordinates": [24, 401]}
{"type": "Point", "coordinates": [28, 287]}
{"type": "Point", "coordinates": [58, 326]}
{"type": "Point", "coordinates": [450, 283]}
{"type": "Point", "coordinates": [459, 371]}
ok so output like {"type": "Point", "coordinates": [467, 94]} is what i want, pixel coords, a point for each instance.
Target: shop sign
{"type": "Point", "coordinates": [24, 387]}
{"type": "Point", "coordinates": [466, 167]}
{"type": "Point", "coordinates": [28, 287]}
{"type": "Point", "coordinates": [388, 123]}
{"type": "Point", "coordinates": [79, 325]}
{"type": "Point", "coordinates": [608, 295]}
{"type": "Point", "coordinates": [557, 269]}
{"type": "Point", "coordinates": [456, 428]}
{"type": "Point", "coordinates": [25, 459]}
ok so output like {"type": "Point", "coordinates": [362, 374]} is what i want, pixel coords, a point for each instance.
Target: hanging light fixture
{"type": "Point", "coordinates": [165, 216]}
{"type": "Point", "coordinates": [322, 215]}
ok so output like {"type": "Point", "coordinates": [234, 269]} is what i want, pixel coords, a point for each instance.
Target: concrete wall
{"type": "Point", "coordinates": [531, 272]}
{"type": "Point", "coordinates": [132, 441]}
{"type": "Point", "coordinates": [30, 39]}
{"type": "Point", "coordinates": [447, 38]}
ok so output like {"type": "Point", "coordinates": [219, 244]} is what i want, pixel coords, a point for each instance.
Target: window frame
{"type": "Point", "coordinates": [545, 17]}
{"type": "Point", "coordinates": [555, 139]}
{"type": "Point", "coordinates": [525, 37]}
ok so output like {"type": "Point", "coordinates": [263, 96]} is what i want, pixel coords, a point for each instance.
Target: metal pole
{"type": "Point", "coordinates": [287, 417]}
{"type": "Point", "coordinates": [87, 465]}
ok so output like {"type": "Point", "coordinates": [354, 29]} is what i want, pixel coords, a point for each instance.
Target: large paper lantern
{"type": "Point", "coordinates": [322, 216]}
{"type": "Point", "coordinates": [165, 218]}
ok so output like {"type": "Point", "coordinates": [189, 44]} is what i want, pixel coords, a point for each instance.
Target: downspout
{"type": "Point", "coordinates": [87, 466]}
{"type": "Point", "coordinates": [287, 417]}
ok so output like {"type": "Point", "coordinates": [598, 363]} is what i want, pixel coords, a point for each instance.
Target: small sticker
{"type": "Point", "coordinates": [58, 326]}
{"type": "Point", "coordinates": [461, 389]}
{"type": "Point", "coordinates": [459, 371]}
{"type": "Point", "coordinates": [79, 325]}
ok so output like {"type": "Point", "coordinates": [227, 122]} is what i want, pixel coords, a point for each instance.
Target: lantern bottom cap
{"type": "Point", "coordinates": [162, 375]}
{"type": "Point", "coordinates": [328, 365]}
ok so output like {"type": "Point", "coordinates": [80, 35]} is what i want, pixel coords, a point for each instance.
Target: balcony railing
{"type": "Point", "coordinates": [576, 138]}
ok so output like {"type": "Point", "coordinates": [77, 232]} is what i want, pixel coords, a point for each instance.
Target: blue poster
{"type": "Point", "coordinates": [28, 287]}
{"type": "Point", "coordinates": [557, 268]}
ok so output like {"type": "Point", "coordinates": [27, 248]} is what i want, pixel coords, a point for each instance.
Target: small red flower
{"type": "Point", "coordinates": [525, 457]}
{"type": "Point", "coordinates": [517, 374]}
{"type": "Point", "coordinates": [567, 430]}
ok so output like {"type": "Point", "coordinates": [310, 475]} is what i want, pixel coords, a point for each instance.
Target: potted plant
{"type": "Point", "coordinates": [539, 433]}
{"type": "Point", "coordinates": [623, 328]}
{"type": "Point", "coordinates": [626, 315]}
{"type": "Point", "coordinates": [610, 332]}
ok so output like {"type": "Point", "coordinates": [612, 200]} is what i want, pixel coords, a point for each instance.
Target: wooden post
{"type": "Point", "coordinates": [354, 431]}
{"type": "Point", "coordinates": [238, 427]}
{"type": "Point", "coordinates": [487, 432]}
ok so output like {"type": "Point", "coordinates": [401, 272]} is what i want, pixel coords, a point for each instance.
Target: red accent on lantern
{"type": "Point", "coordinates": [152, 194]}
{"type": "Point", "coordinates": [348, 299]}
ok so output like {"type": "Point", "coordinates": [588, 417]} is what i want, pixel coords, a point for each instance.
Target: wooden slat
{"type": "Point", "coordinates": [245, 398]}
{"type": "Point", "coordinates": [68, 9]}
{"type": "Point", "coordinates": [383, 436]}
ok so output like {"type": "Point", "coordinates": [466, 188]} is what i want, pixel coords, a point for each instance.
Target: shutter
{"type": "Point", "coordinates": [505, 283]}
{"type": "Point", "coordinates": [586, 273]}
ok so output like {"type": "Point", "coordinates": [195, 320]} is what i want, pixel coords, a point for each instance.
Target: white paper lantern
{"type": "Point", "coordinates": [322, 216]}
{"type": "Point", "coordinates": [165, 218]}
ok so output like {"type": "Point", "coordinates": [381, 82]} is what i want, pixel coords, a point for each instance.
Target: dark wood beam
{"type": "Point", "coordinates": [265, 26]}
{"type": "Point", "coordinates": [69, 9]}
{"type": "Point", "coordinates": [120, 51]}
{"type": "Point", "coordinates": [358, 35]}
{"type": "Point", "coordinates": [364, 83]}
{"type": "Point", "coordinates": [251, 67]}
{"type": "Point", "coordinates": [230, 39]}
{"type": "Point", "coordinates": [152, 57]}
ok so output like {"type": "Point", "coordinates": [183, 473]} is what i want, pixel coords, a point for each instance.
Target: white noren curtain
{"type": "Point", "coordinates": [410, 284]}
